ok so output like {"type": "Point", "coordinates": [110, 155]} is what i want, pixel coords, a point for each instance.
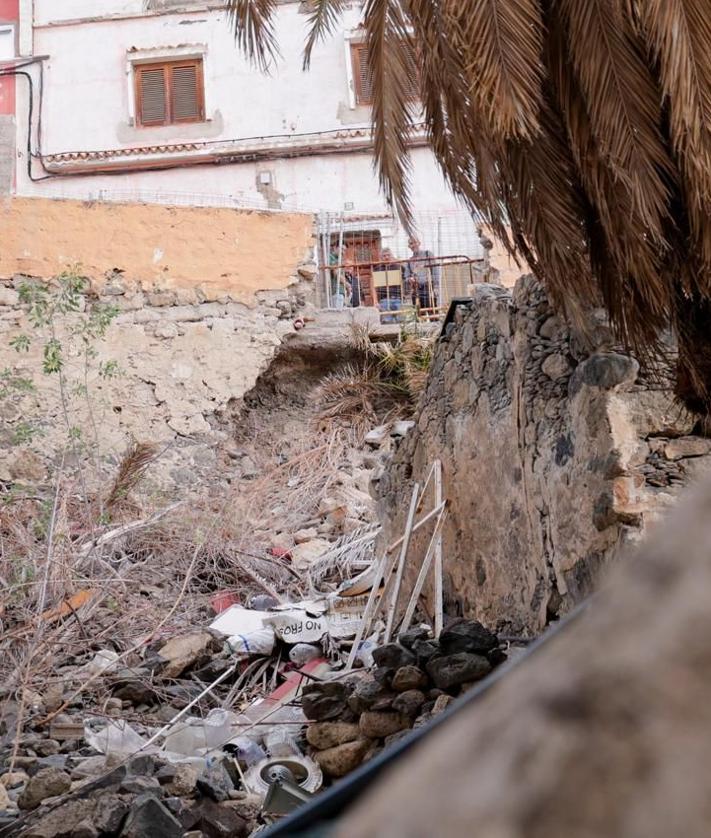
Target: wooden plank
{"type": "Point", "coordinates": [438, 569]}
{"type": "Point", "coordinates": [401, 561]}
{"type": "Point", "coordinates": [430, 515]}
{"type": "Point", "coordinates": [424, 569]}
{"type": "Point", "coordinates": [369, 608]}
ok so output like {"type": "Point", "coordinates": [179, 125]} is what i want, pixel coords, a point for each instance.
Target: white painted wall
{"type": "Point", "coordinates": [87, 107]}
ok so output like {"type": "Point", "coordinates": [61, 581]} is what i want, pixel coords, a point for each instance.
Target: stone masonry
{"type": "Point", "coordinates": [181, 359]}
{"type": "Point", "coordinates": [556, 450]}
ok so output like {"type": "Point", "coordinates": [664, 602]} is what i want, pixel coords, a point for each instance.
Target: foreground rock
{"type": "Point", "coordinates": [611, 720]}
{"type": "Point", "coordinates": [47, 782]}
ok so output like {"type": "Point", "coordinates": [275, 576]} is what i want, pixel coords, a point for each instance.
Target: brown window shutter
{"type": "Point", "coordinates": [361, 75]}
{"type": "Point", "coordinates": [363, 79]}
{"type": "Point", "coordinates": [186, 92]}
{"type": "Point", "coordinates": [170, 92]}
{"type": "Point", "coordinates": [151, 98]}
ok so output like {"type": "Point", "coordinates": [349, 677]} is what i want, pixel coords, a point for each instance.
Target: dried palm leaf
{"type": "Point", "coordinates": [578, 130]}
{"type": "Point", "coordinates": [131, 470]}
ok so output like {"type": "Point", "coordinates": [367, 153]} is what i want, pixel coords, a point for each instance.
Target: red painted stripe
{"type": "Point", "coordinates": [9, 10]}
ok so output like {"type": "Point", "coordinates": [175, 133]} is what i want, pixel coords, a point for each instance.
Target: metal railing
{"type": "Point", "coordinates": [403, 289]}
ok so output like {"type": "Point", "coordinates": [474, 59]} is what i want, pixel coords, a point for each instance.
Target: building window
{"type": "Point", "coordinates": [7, 42]}
{"type": "Point", "coordinates": [362, 81]}
{"type": "Point", "coordinates": [169, 92]}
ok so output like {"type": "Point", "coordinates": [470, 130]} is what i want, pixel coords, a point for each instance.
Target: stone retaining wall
{"type": "Point", "coordinates": [193, 332]}
{"type": "Point", "coordinates": [555, 452]}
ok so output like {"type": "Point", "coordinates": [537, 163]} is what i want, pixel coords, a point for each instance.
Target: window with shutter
{"type": "Point", "coordinates": [362, 78]}
{"type": "Point", "coordinates": [169, 93]}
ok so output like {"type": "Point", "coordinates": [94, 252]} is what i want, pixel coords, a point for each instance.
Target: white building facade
{"type": "Point", "coordinates": [151, 100]}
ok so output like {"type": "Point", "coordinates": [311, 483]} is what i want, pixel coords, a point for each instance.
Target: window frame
{"type": "Point", "coordinates": [358, 101]}
{"type": "Point", "coordinates": [167, 65]}
{"type": "Point", "coordinates": [9, 29]}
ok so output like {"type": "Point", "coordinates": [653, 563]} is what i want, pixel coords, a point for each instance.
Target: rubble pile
{"type": "Point", "coordinates": [174, 755]}
{"type": "Point", "coordinates": [354, 718]}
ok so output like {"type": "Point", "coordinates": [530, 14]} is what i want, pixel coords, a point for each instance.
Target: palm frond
{"type": "Point", "coordinates": [580, 132]}
{"type": "Point", "coordinates": [679, 33]}
{"type": "Point", "coordinates": [131, 471]}
{"type": "Point", "coordinates": [323, 17]}
{"type": "Point", "coordinates": [501, 41]}
{"type": "Point", "coordinates": [390, 46]}
{"type": "Point", "coordinates": [623, 103]}
{"type": "Point", "coordinates": [253, 24]}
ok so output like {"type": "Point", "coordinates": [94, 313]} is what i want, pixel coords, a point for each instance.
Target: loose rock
{"type": "Point", "coordinates": [321, 702]}
{"type": "Point", "coordinates": [47, 782]}
{"type": "Point", "coordinates": [184, 781]}
{"type": "Point", "coordinates": [341, 760]}
{"type": "Point", "coordinates": [184, 651]}
{"type": "Point", "coordinates": [409, 678]}
{"type": "Point", "coordinates": [392, 656]}
{"type": "Point", "coordinates": [365, 695]}
{"type": "Point", "coordinates": [148, 818]}
{"type": "Point", "coordinates": [409, 702]}
{"type": "Point", "coordinates": [376, 724]}
{"type": "Point", "coordinates": [324, 735]}
{"type": "Point", "coordinates": [453, 670]}
{"type": "Point", "coordinates": [217, 821]}
{"type": "Point", "coordinates": [467, 636]}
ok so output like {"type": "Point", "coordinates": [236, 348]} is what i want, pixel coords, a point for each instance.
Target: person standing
{"type": "Point", "coordinates": [422, 275]}
{"type": "Point", "coordinates": [340, 279]}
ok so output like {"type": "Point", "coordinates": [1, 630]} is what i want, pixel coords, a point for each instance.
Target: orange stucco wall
{"type": "Point", "coordinates": [235, 252]}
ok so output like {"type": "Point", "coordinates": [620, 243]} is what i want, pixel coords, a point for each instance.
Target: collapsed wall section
{"type": "Point", "coordinates": [205, 299]}
{"type": "Point", "coordinates": [555, 450]}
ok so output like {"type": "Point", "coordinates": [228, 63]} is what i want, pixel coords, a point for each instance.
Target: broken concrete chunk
{"type": "Point", "coordinates": [184, 651]}
{"type": "Point", "coordinates": [324, 735]}
{"type": "Point", "coordinates": [47, 782]}
{"type": "Point", "coordinates": [305, 554]}
{"type": "Point", "coordinates": [342, 759]}
{"type": "Point", "coordinates": [453, 670]}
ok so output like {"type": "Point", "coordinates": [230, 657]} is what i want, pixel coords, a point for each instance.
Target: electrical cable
{"type": "Point", "coordinates": [18, 71]}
